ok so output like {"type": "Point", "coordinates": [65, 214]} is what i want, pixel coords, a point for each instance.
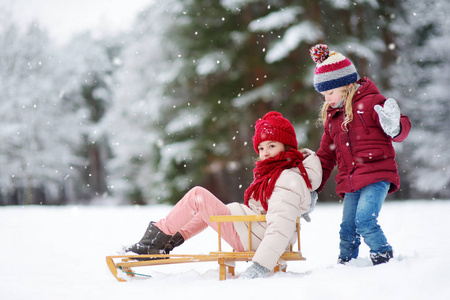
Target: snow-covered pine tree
{"type": "Point", "coordinates": [420, 77]}
{"type": "Point", "coordinates": [36, 153]}
{"type": "Point", "coordinates": [87, 69]}
{"type": "Point", "coordinates": [136, 118]}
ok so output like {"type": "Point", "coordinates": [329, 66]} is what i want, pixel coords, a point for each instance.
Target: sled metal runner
{"type": "Point", "coordinates": [226, 260]}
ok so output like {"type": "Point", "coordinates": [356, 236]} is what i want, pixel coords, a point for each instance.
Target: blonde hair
{"type": "Point", "coordinates": [347, 95]}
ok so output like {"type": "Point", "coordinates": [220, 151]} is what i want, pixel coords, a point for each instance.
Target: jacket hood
{"type": "Point", "coordinates": [366, 88]}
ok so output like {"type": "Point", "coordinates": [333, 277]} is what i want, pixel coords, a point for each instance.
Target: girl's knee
{"type": "Point", "coordinates": [202, 197]}
{"type": "Point", "coordinates": [366, 225]}
{"type": "Point", "coordinates": [366, 216]}
{"type": "Point", "coordinates": [199, 190]}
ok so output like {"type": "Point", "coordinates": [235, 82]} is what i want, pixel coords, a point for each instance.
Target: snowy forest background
{"type": "Point", "coordinates": [142, 116]}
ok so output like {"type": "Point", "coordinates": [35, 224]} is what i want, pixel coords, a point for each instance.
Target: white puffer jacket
{"type": "Point", "coordinates": [290, 199]}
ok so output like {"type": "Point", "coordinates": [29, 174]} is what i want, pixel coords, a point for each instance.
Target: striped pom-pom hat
{"type": "Point", "coordinates": [333, 69]}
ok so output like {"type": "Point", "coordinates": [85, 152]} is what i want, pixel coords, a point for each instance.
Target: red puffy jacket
{"type": "Point", "coordinates": [364, 154]}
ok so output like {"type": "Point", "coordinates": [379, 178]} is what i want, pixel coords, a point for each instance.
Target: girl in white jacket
{"type": "Point", "coordinates": [283, 181]}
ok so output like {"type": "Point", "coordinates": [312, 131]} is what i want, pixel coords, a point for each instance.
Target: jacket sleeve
{"type": "Point", "coordinates": [289, 198]}
{"type": "Point", "coordinates": [313, 168]}
{"type": "Point", "coordinates": [327, 156]}
{"type": "Point", "coordinates": [405, 128]}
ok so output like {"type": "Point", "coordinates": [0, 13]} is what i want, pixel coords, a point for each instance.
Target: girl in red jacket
{"type": "Point", "coordinates": [359, 128]}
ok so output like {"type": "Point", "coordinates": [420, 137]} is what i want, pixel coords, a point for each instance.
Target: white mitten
{"type": "Point", "coordinates": [255, 271]}
{"type": "Point", "coordinates": [389, 117]}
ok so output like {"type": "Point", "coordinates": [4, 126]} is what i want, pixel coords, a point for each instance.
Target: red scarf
{"type": "Point", "coordinates": [266, 174]}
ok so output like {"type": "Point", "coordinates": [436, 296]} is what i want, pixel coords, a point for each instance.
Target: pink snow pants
{"type": "Point", "coordinates": [190, 216]}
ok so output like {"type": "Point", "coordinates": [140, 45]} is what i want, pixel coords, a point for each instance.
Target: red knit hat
{"type": "Point", "coordinates": [274, 127]}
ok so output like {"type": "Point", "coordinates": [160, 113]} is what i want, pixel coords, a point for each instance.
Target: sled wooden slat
{"type": "Point", "coordinates": [249, 219]}
{"type": "Point", "coordinates": [145, 263]}
{"type": "Point", "coordinates": [226, 259]}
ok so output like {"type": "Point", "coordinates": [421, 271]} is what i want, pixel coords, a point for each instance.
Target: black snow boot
{"type": "Point", "coordinates": [343, 261]}
{"type": "Point", "coordinates": [175, 241]}
{"type": "Point", "coordinates": [153, 242]}
{"type": "Point", "coordinates": [381, 258]}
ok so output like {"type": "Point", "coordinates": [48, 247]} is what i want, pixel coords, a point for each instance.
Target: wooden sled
{"type": "Point", "coordinates": [226, 260]}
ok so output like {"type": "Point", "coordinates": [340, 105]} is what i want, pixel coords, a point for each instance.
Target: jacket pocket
{"type": "Point", "coordinates": [369, 155]}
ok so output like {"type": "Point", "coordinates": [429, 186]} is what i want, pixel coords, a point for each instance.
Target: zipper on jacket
{"type": "Point", "coordinates": [349, 144]}
{"type": "Point", "coordinates": [360, 113]}
{"type": "Point", "coordinates": [351, 183]}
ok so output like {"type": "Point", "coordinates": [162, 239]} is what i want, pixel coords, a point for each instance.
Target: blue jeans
{"type": "Point", "coordinates": [360, 214]}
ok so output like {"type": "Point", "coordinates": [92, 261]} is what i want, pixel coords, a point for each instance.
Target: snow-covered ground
{"type": "Point", "coordinates": [59, 253]}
